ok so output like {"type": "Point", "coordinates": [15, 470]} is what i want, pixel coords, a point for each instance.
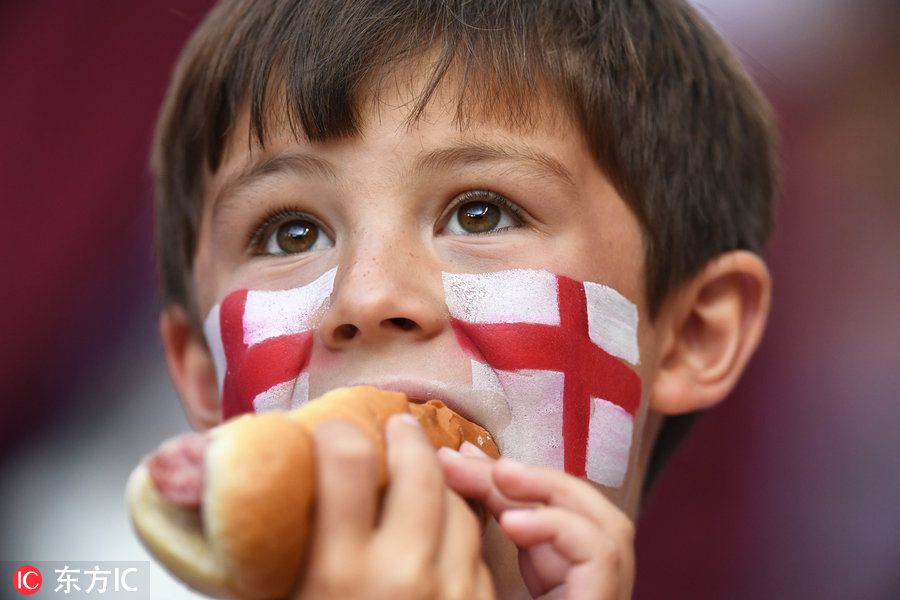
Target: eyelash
{"type": "Point", "coordinates": [485, 196]}
{"type": "Point", "coordinates": [257, 238]}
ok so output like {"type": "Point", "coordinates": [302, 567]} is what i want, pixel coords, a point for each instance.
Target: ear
{"type": "Point", "coordinates": [712, 325]}
{"type": "Point", "coordinates": [191, 367]}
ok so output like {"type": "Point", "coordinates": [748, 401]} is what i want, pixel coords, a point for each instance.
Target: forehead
{"type": "Point", "coordinates": [394, 145]}
{"type": "Point", "coordinates": [409, 97]}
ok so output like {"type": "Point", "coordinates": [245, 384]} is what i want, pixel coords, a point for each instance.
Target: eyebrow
{"type": "Point", "coordinates": [295, 163]}
{"type": "Point", "coordinates": [466, 154]}
{"type": "Point", "coordinates": [298, 163]}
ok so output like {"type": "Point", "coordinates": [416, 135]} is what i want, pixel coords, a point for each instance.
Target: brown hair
{"type": "Point", "coordinates": [666, 109]}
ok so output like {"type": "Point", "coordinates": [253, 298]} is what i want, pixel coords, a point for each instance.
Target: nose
{"type": "Point", "coordinates": [381, 297]}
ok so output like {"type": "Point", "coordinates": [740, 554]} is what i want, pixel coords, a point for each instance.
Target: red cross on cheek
{"type": "Point", "coordinates": [588, 370]}
{"type": "Point", "coordinates": [251, 370]}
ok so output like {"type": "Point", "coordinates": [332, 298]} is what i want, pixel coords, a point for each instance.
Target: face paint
{"type": "Point", "coordinates": [547, 345]}
{"type": "Point", "coordinates": [261, 343]}
{"type": "Point", "coordinates": [551, 346]}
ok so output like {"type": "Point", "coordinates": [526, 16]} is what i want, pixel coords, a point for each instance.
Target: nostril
{"type": "Point", "coordinates": [346, 332]}
{"type": "Point", "coordinates": [403, 323]}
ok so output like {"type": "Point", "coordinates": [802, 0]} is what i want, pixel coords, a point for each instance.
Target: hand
{"type": "Point", "coordinates": [573, 542]}
{"type": "Point", "coordinates": [424, 541]}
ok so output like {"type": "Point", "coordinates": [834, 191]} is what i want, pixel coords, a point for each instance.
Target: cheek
{"type": "Point", "coordinates": [610, 246]}
{"type": "Point", "coordinates": [262, 342]}
{"type": "Point", "coordinates": [558, 351]}
{"type": "Point", "coordinates": [652, 346]}
{"type": "Point", "coordinates": [619, 263]}
{"type": "Point", "coordinates": [544, 430]}
{"type": "Point", "coordinates": [206, 285]}
{"type": "Point", "coordinates": [534, 434]}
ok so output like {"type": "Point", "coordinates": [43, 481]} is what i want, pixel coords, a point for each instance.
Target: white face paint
{"type": "Point", "coordinates": [548, 347]}
{"type": "Point", "coordinates": [261, 343]}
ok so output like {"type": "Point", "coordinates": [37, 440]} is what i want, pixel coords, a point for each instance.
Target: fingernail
{"type": "Point", "coordinates": [467, 448]}
{"type": "Point", "coordinates": [508, 463]}
{"type": "Point", "coordinates": [515, 516]}
{"type": "Point", "coordinates": [400, 420]}
{"type": "Point", "coordinates": [446, 452]}
{"type": "Point", "coordinates": [406, 418]}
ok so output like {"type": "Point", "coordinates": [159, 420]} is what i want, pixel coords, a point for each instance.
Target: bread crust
{"type": "Point", "coordinates": [249, 539]}
{"type": "Point", "coordinates": [257, 501]}
{"type": "Point", "coordinates": [175, 536]}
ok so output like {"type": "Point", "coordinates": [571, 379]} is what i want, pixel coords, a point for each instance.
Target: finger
{"type": "Point", "coordinates": [347, 486]}
{"type": "Point", "coordinates": [483, 588]}
{"type": "Point", "coordinates": [558, 593]}
{"type": "Point", "coordinates": [467, 448]}
{"type": "Point", "coordinates": [542, 567]}
{"type": "Point", "coordinates": [412, 517]}
{"type": "Point", "coordinates": [570, 533]}
{"type": "Point", "coordinates": [466, 475]}
{"type": "Point", "coordinates": [542, 485]}
{"type": "Point", "coordinates": [596, 560]}
{"type": "Point", "coordinates": [460, 562]}
{"type": "Point", "coordinates": [471, 476]}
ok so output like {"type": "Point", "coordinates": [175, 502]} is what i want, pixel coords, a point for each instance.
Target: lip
{"type": "Point", "coordinates": [421, 391]}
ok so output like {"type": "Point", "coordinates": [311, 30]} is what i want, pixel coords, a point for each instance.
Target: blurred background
{"type": "Point", "coordinates": [791, 489]}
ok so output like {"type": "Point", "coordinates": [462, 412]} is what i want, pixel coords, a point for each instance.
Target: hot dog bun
{"type": "Point", "coordinates": [248, 539]}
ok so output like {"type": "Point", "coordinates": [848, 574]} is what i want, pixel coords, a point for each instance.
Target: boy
{"type": "Point", "coordinates": [411, 164]}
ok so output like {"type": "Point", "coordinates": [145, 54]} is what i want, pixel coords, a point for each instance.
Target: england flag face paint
{"type": "Point", "coordinates": [552, 347]}
{"type": "Point", "coordinates": [559, 353]}
{"type": "Point", "coordinates": [261, 342]}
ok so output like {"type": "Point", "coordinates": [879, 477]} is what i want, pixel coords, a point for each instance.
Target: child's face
{"type": "Point", "coordinates": [394, 208]}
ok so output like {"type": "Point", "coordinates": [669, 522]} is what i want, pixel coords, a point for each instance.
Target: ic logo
{"type": "Point", "coordinates": [27, 580]}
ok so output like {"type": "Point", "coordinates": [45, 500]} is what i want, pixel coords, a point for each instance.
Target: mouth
{"type": "Point", "coordinates": [421, 391]}
{"type": "Point", "coordinates": [488, 408]}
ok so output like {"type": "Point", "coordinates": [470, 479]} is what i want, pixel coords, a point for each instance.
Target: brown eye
{"type": "Point", "coordinates": [294, 237]}
{"type": "Point", "coordinates": [478, 217]}
{"type": "Point", "coordinates": [480, 212]}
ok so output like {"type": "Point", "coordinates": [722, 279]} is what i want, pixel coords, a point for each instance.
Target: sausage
{"type": "Point", "coordinates": [177, 469]}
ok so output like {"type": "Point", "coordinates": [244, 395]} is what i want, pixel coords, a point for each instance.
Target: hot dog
{"type": "Point", "coordinates": [228, 511]}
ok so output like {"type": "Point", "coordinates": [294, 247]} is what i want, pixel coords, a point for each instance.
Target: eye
{"type": "Point", "coordinates": [289, 233]}
{"type": "Point", "coordinates": [481, 212]}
